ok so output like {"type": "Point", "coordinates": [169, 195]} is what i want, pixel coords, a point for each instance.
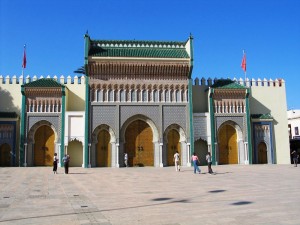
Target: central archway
{"type": "Point", "coordinates": [228, 148]}
{"type": "Point", "coordinates": [139, 144]}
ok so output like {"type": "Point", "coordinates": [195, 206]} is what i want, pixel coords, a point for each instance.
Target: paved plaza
{"type": "Point", "coordinates": [236, 194]}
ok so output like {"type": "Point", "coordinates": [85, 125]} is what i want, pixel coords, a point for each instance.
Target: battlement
{"type": "Point", "coordinates": [248, 82]}
{"type": "Point", "coordinates": [62, 79]}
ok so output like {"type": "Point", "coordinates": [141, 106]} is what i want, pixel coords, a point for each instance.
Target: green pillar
{"type": "Point", "coordinates": [87, 102]}
{"type": "Point", "coordinates": [62, 134]}
{"type": "Point", "coordinates": [191, 116]}
{"type": "Point", "coordinates": [212, 127]}
{"type": "Point", "coordinates": [22, 129]}
{"type": "Point", "coordinates": [248, 126]}
{"type": "Point", "coordinates": [190, 93]}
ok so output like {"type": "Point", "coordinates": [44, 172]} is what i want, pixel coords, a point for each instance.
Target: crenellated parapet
{"type": "Point", "coordinates": [278, 82]}
{"type": "Point", "coordinates": [66, 80]}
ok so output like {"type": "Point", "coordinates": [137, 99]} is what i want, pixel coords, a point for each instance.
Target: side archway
{"type": "Point", "coordinates": [103, 151]}
{"type": "Point", "coordinates": [174, 140]}
{"type": "Point", "coordinates": [262, 153]}
{"type": "Point", "coordinates": [42, 139]}
{"type": "Point", "coordinates": [5, 155]}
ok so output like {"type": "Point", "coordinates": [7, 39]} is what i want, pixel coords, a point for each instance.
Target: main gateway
{"type": "Point", "coordinates": [138, 97]}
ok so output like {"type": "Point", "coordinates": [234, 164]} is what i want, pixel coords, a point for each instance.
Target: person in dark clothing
{"type": "Point", "coordinates": [55, 161]}
{"type": "Point", "coordinates": [295, 157]}
{"type": "Point", "coordinates": [66, 160]}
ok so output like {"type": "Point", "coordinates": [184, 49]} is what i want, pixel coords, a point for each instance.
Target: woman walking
{"type": "Point", "coordinates": [195, 163]}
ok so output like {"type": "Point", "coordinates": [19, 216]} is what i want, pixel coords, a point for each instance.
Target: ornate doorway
{"type": "Point", "coordinates": [44, 146]}
{"type": "Point", "coordinates": [75, 152]}
{"type": "Point", "coordinates": [5, 155]}
{"type": "Point", "coordinates": [103, 151]}
{"type": "Point", "coordinates": [139, 144]}
{"type": "Point", "coordinates": [173, 146]}
{"type": "Point", "coordinates": [228, 149]}
{"type": "Point", "coordinates": [262, 153]}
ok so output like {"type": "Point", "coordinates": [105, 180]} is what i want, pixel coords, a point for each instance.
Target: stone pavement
{"type": "Point", "coordinates": [236, 194]}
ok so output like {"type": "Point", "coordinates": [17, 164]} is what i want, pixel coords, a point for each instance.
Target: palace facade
{"type": "Point", "coordinates": [139, 97]}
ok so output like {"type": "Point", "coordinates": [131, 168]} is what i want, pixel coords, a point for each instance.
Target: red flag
{"type": "Point", "coordinates": [24, 58]}
{"type": "Point", "coordinates": [243, 65]}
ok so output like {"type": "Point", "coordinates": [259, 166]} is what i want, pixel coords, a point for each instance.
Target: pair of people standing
{"type": "Point", "coordinates": [66, 160]}
{"type": "Point", "coordinates": [196, 162]}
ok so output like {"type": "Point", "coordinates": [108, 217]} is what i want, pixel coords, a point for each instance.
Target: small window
{"type": "Point", "coordinates": [296, 131]}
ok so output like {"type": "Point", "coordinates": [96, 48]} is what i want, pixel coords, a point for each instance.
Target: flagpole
{"type": "Point", "coordinates": [245, 72]}
{"type": "Point", "coordinates": [243, 65]}
{"type": "Point", "coordinates": [24, 63]}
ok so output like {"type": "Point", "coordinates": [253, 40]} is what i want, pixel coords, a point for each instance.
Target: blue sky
{"type": "Point", "coordinates": [269, 31]}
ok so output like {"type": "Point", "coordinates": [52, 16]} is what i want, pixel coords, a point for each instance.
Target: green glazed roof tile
{"type": "Point", "coordinates": [227, 84]}
{"type": "Point", "coordinates": [266, 116]}
{"type": "Point", "coordinates": [150, 49]}
{"type": "Point", "coordinates": [8, 115]}
{"type": "Point", "coordinates": [44, 82]}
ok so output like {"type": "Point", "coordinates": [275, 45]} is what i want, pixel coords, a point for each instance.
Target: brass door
{"type": "Point", "coordinates": [228, 149]}
{"type": "Point", "coordinates": [173, 146]}
{"type": "Point", "coordinates": [138, 144]}
{"type": "Point", "coordinates": [103, 154]}
{"type": "Point", "coordinates": [5, 155]}
{"type": "Point", "coordinates": [262, 153]}
{"type": "Point", "coordinates": [44, 146]}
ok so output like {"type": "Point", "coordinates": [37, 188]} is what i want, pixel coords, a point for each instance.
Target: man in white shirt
{"type": "Point", "coordinates": [176, 160]}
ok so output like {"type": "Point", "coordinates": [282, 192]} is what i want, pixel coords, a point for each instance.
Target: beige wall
{"type": "Point", "coordinates": [76, 95]}
{"type": "Point", "coordinates": [10, 92]}
{"type": "Point", "coordinates": [272, 99]}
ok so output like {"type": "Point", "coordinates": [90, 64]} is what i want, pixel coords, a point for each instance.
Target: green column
{"type": "Point", "coordinates": [62, 134]}
{"type": "Point", "coordinates": [190, 89]}
{"type": "Point", "coordinates": [212, 127]}
{"type": "Point", "coordinates": [191, 116]}
{"type": "Point", "coordinates": [248, 126]}
{"type": "Point", "coordinates": [22, 129]}
{"type": "Point", "coordinates": [86, 131]}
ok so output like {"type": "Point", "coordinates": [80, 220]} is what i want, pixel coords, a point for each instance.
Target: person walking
{"type": "Point", "coordinates": [176, 159]}
{"type": "Point", "coordinates": [208, 159]}
{"type": "Point", "coordinates": [295, 157]}
{"type": "Point", "coordinates": [55, 161]}
{"type": "Point", "coordinates": [66, 160]}
{"type": "Point", "coordinates": [126, 159]}
{"type": "Point", "coordinates": [196, 161]}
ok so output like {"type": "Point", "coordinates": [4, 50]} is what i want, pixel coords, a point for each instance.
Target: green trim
{"type": "Point", "coordinates": [22, 130]}
{"type": "Point", "coordinates": [86, 48]}
{"type": "Point", "coordinates": [86, 133]}
{"type": "Point", "coordinates": [62, 134]}
{"type": "Point", "coordinates": [248, 127]}
{"type": "Point", "coordinates": [212, 127]}
{"type": "Point", "coordinates": [191, 56]}
{"type": "Point", "coordinates": [191, 116]}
